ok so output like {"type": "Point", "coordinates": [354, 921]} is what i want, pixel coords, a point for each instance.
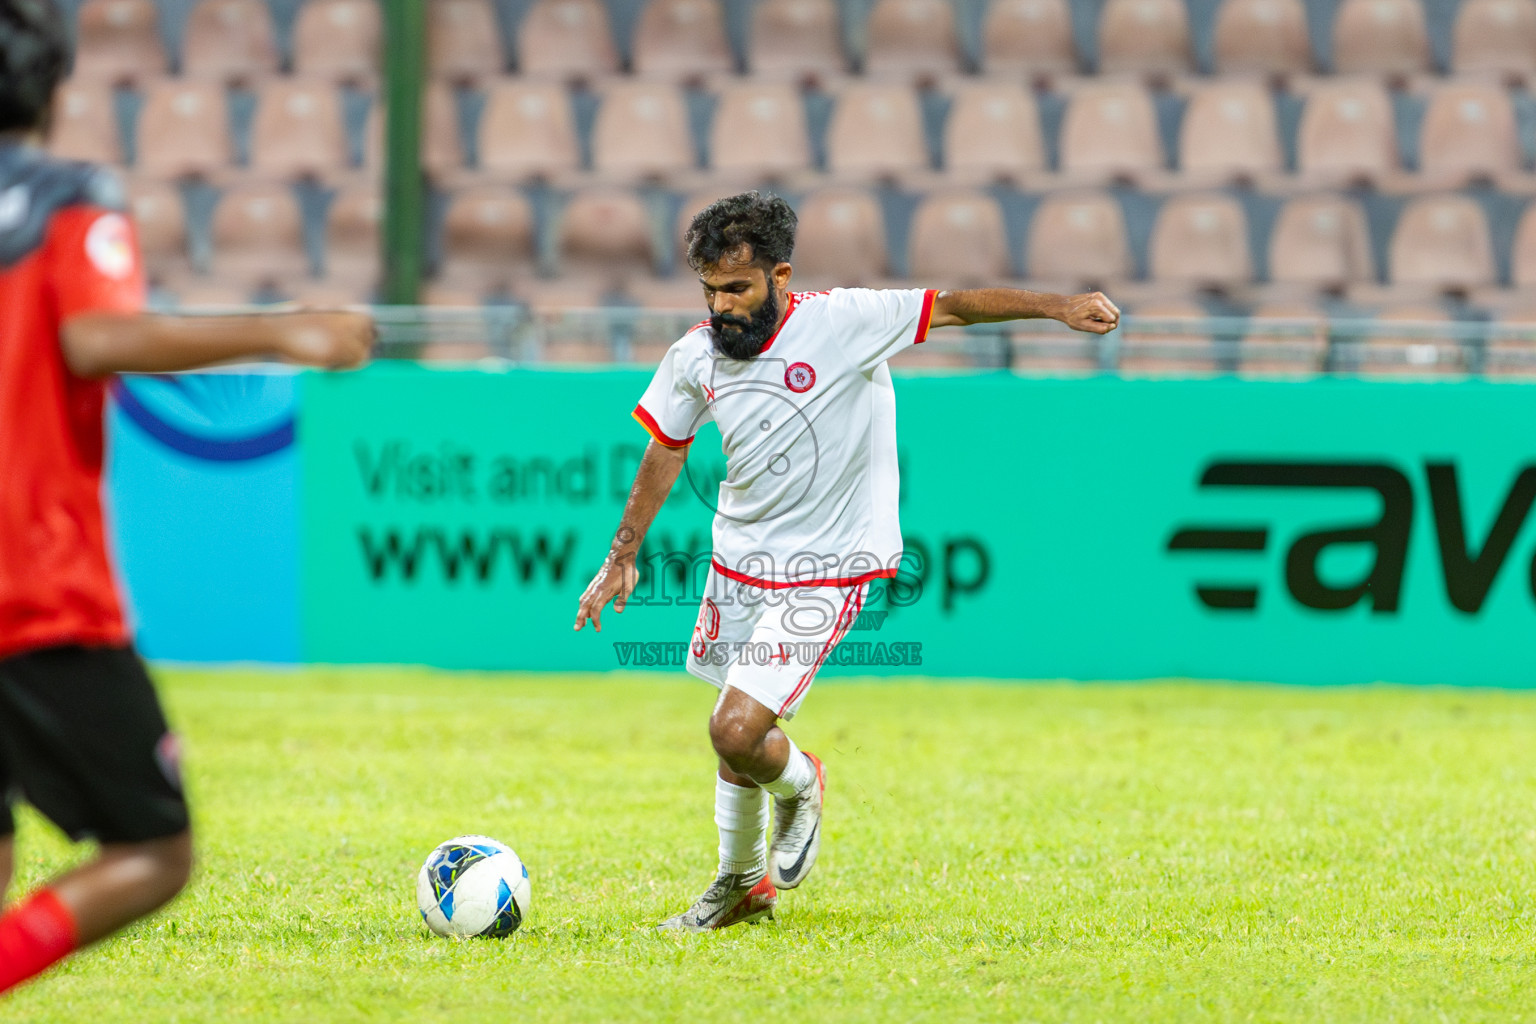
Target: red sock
{"type": "Point", "coordinates": [35, 934]}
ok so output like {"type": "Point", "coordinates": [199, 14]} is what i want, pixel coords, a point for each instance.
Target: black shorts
{"type": "Point", "coordinates": [83, 740]}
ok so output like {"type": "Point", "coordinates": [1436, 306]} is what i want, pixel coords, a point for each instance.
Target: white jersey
{"type": "Point", "coordinates": [809, 432]}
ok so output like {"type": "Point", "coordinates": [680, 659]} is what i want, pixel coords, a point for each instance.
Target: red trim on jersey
{"type": "Point", "coordinates": [926, 315]}
{"type": "Point", "coordinates": [846, 581]}
{"type": "Point", "coordinates": [845, 621]}
{"type": "Point", "coordinates": [701, 323]}
{"type": "Point", "coordinates": [794, 299]}
{"type": "Point", "coordinates": [648, 421]}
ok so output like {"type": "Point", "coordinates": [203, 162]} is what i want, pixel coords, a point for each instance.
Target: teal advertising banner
{"type": "Point", "coordinates": [1332, 531]}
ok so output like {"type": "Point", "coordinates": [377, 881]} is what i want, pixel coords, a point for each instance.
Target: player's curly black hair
{"type": "Point", "coordinates": [34, 57]}
{"type": "Point", "coordinates": [765, 222]}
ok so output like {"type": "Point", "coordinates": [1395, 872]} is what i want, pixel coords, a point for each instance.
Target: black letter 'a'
{"type": "Point", "coordinates": [1469, 577]}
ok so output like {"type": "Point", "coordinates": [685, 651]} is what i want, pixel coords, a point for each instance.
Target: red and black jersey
{"type": "Point", "coordinates": [66, 247]}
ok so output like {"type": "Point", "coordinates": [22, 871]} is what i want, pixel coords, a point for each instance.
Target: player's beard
{"type": "Point", "coordinates": [751, 333]}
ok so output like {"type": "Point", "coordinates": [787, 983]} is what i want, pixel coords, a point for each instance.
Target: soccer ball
{"type": "Point", "coordinates": [473, 885]}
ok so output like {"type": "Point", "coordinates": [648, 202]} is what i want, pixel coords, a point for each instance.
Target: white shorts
{"type": "Point", "coordinates": [769, 643]}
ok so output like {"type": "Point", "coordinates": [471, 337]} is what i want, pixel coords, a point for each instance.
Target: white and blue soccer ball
{"type": "Point", "coordinates": [473, 886]}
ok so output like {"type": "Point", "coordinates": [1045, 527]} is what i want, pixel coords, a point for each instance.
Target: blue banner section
{"type": "Point", "coordinates": [203, 490]}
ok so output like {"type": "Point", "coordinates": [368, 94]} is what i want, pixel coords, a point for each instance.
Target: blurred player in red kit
{"type": "Point", "coordinates": [82, 735]}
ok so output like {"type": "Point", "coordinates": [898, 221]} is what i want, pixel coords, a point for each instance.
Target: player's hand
{"type": "Point", "coordinates": [334, 340]}
{"type": "Point", "coordinates": [1092, 312]}
{"type": "Point", "coordinates": [614, 581]}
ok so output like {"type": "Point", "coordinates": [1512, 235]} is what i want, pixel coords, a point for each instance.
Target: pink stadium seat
{"type": "Point", "coordinates": [1495, 36]}
{"type": "Point", "coordinates": [876, 130]}
{"type": "Point", "coordinates": [119, 40]}
{"type": "Point", "coordinates": [1380, 37]}
{"type": "Point", "coordinates": [797, 38]}
{"type": "Point", "coordinates": [1413, 352]}
{"type": "Point", "coordinates": [161, 222]}
{"type": "Point", "coordinates": [568, 39]}
{"type": "Point", "coordinates": [1201, 239]}
{"type": "Point", "coordinates": [463, 40]}
{"type": "Point", "coordinates": [338, 40]}
{"type": "Point", "coordinates": [85, 123]}
{"type": "Point", "coordinates": [184, 129]}
{"type": "Point", "coordinates": [231, 40]}
{"type": "Point", "coordinates": [1442, 242]}
{"type": "Point", "coordinates": [298, 130]}
{"type": "Point", "coordinates": [487, 240]}
{"type": "Point", "coordinates": [1144, 37]}
{"type": "Point", "coordinates": [606, 235]}
{"type": "Point", "coordinates": [1347, 132]}
{"type": "Point", "coordinates": [642, 131]}
{"type": "Point", "coordinates": [1263, 36]}
{"type": "Point", "coordinates": [527, 130]}
{"type": "Point", "coordinates": [442, 151]}
{"type": "Point", "coordinates": [353, 225]}
{"type": "Point", "coordinates": [682, 39]}
{"type": "Point", "coordinates": [958, 240]}
{"type": "Point", "coordinates": [1079, 239]}
{"type": "Point", "coordinates": [1032, 37]}
{"type": "Point", "coordinates": [1523, 252]}
{"type": "Point", "coordinates": [911, 38]}
{"type": "Point", "coordinates": [1181, 348]}
{"type": "Point", "coordinates": [840, 239]}
{"type": "Point", "coordinates": [1285, 340]}
{"type": "Point", "coordinates": [1320, 242]}
{"type": "Point", "coordinates": [760, 129]}
{"type": "Point", "coordinates": [258, 238]}
{"type": "Point", "coordinates": [1229, 130]}
{"type": "Point", "coordinates": [993, 131]}
{"type": "Point", "coordinates": [1468, 133]}
{"type": "Point", "coordinates": [1110, 130]}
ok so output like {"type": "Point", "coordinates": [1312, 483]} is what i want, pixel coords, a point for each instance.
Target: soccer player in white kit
{"type": "Point", "coordinates": [806, 518]}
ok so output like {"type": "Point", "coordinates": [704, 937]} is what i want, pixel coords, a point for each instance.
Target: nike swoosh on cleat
{"type": "Point", "coordinates": [718, 911]}
{"type": "Point", "coordinates": [793, 871]}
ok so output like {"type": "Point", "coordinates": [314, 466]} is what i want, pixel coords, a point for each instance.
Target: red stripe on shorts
{"type": "Point", "coordinates": [856, 596]}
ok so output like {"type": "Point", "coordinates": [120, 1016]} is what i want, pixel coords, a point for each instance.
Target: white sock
{"type": "Point", "coordinates": [742, 815]}
{"type": "Point", "coordinates": [798, 774]}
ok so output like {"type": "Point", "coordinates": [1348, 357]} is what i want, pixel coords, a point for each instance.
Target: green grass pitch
{"type": "Point", "coordinates": [1051, 852]}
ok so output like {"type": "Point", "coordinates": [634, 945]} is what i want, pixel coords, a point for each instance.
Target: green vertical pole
{"type": "Point", "coordinates": [405, 32]}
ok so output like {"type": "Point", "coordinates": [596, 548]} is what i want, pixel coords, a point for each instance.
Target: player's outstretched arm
{"type": "Point", "coordinates": [97, 344]}
{"type": "Point", "coordinates": [617, 578]}
{"type": "Point", "coordinates": [1091, 311]}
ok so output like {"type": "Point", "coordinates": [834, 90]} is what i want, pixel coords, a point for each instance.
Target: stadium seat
{"type": "Point", "coordinates": [683, 39]}
{"type": "Point", "coordinates": [161, 221]}
{"type": "Point", "coordinates": [1442, 242]}
{"type": "Point", "coordinates": [1510, 350]}
{"type": "Point", "coordinates": [876, 131]}
{"type": "Point", "coordinates": [353, 226]}
{"type": "Point", "coordinates": [840, 239]}
{"type": "Point", "coordinates": [298, 130]}
{"type": "Point", "coordinates": [1229, 131]}
{"type": "Point", "coordinates": [463, 41]}
{"type": "Point", "coordinates": [1495, 36]}
{"type": "Point", "coordinates": [1284, 340]}
{"type": "Point", "coordinates": [527, 131]}
{"type": "Point", "coordinates": [1079, 239]}
{"type": "Point", "coordinates": [1468, 134]}
{"type": "Point", "coordinates": [760, 130]}
{"type": "Point", "coordinates": [119, 40]}
{"type": "Point", "coordinates": [606, 236]}
{"type": "Point", "coordinates": [1320, 242]}
{"type": "Point", "coordinates": [1201, 239]}
{"type": "Point", "coordinates": [1144, 37]}
{"type": "Point", "coordinates": [233, 41]}
{"type": "Point", "coordinates": [958, 240]}
{"type": "Point", "coordinates": [1181, 347]}
{"type": "Point", "coordinates": [338, 40]}
{"type": "Point", "coordinates": [993, 132]}
{"type": "Point", "coordinates": [258, 237]}
{"type": "Point", "coordinates": [642, 131]}
{"type": "Point", "coordinates": [798, 39]}
{"type": "Point", "coordinates": [1415, 352]}
{"type": "Point", "coordinates": [442, 149]}
{"type": "Point", "coordinates": [1347, 133]}
{"type": "Point", "coordinates": [1522, 256]}
{"type": "Point", "coordinates": [487, 241]}
{"type": "Point", "coordinates": [911, 38]}
{"type": "Point", "coordinates": [184, 129]}
{"type": "Point", "coordinates": [567, 39]}
{"type": "Point", "coordinates": [1263, 37]}
{"type": "Point", "coordinates": [84, 123]}
{"type": "Point", "coordinates": [1380, 37]}
{"type": "Point", "coordinates": [1110, 131]}
{"type": "Point", "coordinates": [1028, 37]}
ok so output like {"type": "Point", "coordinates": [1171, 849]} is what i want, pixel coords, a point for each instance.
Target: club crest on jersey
{"type": "Point", "coordinates": [108, 245]}
{"type": "Point", "coordinates": [799, 378]}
